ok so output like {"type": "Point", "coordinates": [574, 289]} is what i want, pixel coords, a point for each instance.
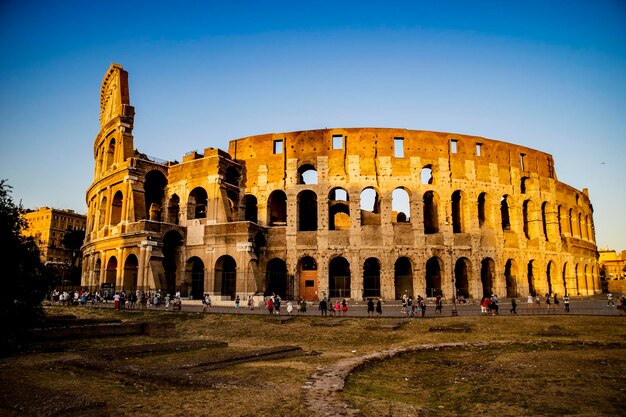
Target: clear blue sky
{"type": "Point", "coordinates": [550, 75]}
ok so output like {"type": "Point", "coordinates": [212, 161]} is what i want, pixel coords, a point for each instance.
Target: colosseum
{"type": "Point", "coordinates": [342, 212]}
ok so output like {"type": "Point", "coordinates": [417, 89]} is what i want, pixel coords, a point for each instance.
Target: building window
{"type": "Point", "coordinates": [278, 147]}
{"type": "Point", "coordinates": [521, 162]}
{"type": "Point", "coordinates": [398, 147]}
{"type": "Point", "coordinates": [337, 141]}
{"type": "Point", "coordinates": [478, 149]}
{"type": "Point", "coordinates": [453, 145]}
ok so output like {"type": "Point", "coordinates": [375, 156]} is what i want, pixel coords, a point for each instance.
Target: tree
{"type": "Point", "coordinates": [24, 279]}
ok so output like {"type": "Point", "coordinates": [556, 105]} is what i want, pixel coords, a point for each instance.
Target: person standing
{"type": "Point", "coordinates": [438, 304]}
{"type": "Point", "coordinates": [206, 303]}
{"type": "Point", "coordinates": [370, 307]}
{"type": "Point", "coordinates": [270, 305]}
{"type": "Point", "coordinates": [116, 301]}
{"type": "Point", "coordinates": [379, 308]}
{"type": "Point", "coordinates": [344, 307]}
{"type": "Point", "coordinates": [513, 305]}
{"type": "Point", "coordinates": [324, 307]}
{"type": "Point", "coordinates": [556, 301]}
{"type": "Point", "coordinates": [566, 302]}
{"type": "Point", "coordinates": [289, 307]}
{"type": "Point", "coordinates": [548, 303]}
{"type": "Point", "coordinates": [302, 306]}
{"type": "Point", "coordinates": [237, 301]}
{"type": "Point", "coordinates": [529, 303]}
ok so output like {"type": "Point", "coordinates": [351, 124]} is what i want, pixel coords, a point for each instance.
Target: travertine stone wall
{"type": "Point", "coordinates": [248, 220]}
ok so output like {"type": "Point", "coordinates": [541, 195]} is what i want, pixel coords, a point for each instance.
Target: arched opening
{"type": "Point", "coordinates": [173, 209]}
{"type": "Point", "coordinates": [482, 215]}
{"type": "Point", "coordinates": [102, 213]}
{"type": "Point", "coordinates": [571, 222]}
{"type": "Point", "coordinates": [525, 209]}
{"type": "Point", "coordinates": [457, 212]}
{"type": "Point", "coordinates": [277, 208]}
{"type": "Point", "coordinates": [370, 207]}
{"type": "Point", "coordinates": [172, 242]}
{"type": "Point", "coordinates": [226, 277]}
{"type": "Point", "coordinates": [276, 279]}
{"type": "Point", "coordinates": [487, 276]}
{"type": "Point", "coordinates": [116, 208]}
{"type": "Point", "coordinates": [510, 277]}
{"type": "Point", "coordinates": [195, 270]}
{"type": "Point", "coordinates": [426, 175]}
{"type": "Point", "coordinates": [131, 267]}
{"type": "Point", "coordinates": [232, 176]}
{"type": "Point", "coordinates": [586, 279]}
{"type": "Point", "coordinates": [154, 191]}
{"type": "Point", "coordinates": [564, 278]}
{"type": "Point", "coordinates": [576, 278]}
{"type": "Point", "coordinates": [111, 272]}
{"type": "Point", "coordinates": [560, 219]}
{"type": "Point", "coordinates": [232, 199]}
{"type": "Point", "coordinates": [431, 217]}
{"type": "Point", "coordinates": [433, 277]}
{"type": "Point", "coordinates": [504, 212]}
{"type": "Point", "coordinates": [338, 210]}
{"type": "Point", "coordinates": [524, 185]}
{"type": "Point", "coordinates": [544, 220]}
{"type": "Point", "coordinates": [307, 174]}
{"type": "Point", "coordinates": [307, 211]}
{"type": "Point", "coordinates": [252, 211]}
{"type": "Point", "coordinates": [462, 271]}
{"type": "Point", "coordinates": [588, 222]}
{"type": "Point", "coordinates": [110, 156]}
{"type": "Point", "coordinates": [339, 278]}
{"type": "Point", "coordinates": [371, 278]}
{"type": "Point", "coordinates": [400, 206]}
{"type": "Point", "coordinates": [197, 203]}
{"type": "Point", "coordinates": [581, 229]}
{"type": "Point", "coordinates": [96, 272]}
{"type": "Point", "coordinates": [403, 277]}
{"type": "Point", "coordinates": [532, 289]}
{"type": "Point", "coordinates": [307, 269]}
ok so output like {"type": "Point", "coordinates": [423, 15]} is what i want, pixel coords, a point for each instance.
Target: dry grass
{"type": "Point", "coordinates": [540, 379]}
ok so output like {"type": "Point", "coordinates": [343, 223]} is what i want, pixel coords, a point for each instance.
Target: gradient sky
{"type": "Point", "coordinates": [550, 75]}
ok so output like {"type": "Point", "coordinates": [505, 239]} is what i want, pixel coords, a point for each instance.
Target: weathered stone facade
{"type": "Point", "coordinates": [355, 213]}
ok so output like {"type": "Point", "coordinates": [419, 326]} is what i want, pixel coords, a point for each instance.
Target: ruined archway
{"type": "Point", "coordinates": [510, 277]}
{"type": "Point", "coordinates": [400, 206]}
{"type": "Point", "coordinates": [550, 271]}
{"type": "Point", "coordinates": [433, 277]}
{"type": "Point", "coordinates": [307, 211]}
{"type": "Point", "coordinates": [251, 208]}
{"type": "Point", "coordinates": [307, 174]}
{"type": "Point", "coordinates": [338, 210]}
{"type": "Point", "coordinates": [154, 191]}
{"type": "Point", "coordinates": [339, 278]}
{"type": "Point", "coordinates": [226, 277]}
{"type": "Point", "coordinates": [195, 271]}
{"type": "Point", "coordinates": [403, 277]}
{"type": "Point", "coordinates": [116, 208]}
{"type": "Point", "coordinates": [277, 208]}
{"type": "Point", "coordinates": [173, 209]}
{"type": "Point", "coordinates": [111, 271]}
{"type": "Point", "coordinates": [197, 203]}
{"type": "Point", "coordinates": [431, 217]}
{"type": "Point", "coordinates": [462, 277]}
{"type": "Point", "coordinates": [532, 276]}
{"type": "Point", "coordinates": [276, 278]}
{"type": "Point", "coordinates": [370, 207]}
{"type": "Point", "coordinates": [487, 276]}
{"type": "Point", "coordinates": [172, 242]}
{"type": "Point", "coordinates": [504, 213]}
{"type": "Point", "coordinates": [458, 217]}
{"type": "Point", "coordinates": [131, 268]}
{"type": "Point", "coordinates": [371, 278]}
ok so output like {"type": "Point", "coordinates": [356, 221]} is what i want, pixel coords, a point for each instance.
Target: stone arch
{"type": "Point", "coordinates": [400, 205]}
{"type": "Point", "coordinates": [576, 278]}
{"type": "Point", "coordinates": [505, 213]}
{"type": "Point", "coordinates": [277, 208]}
{"type": "Point", "coordinates": [110, 155]}
{"type": "Point", "coordinates": [131, 269]}
{"type": "Point", "coordinates": [458, 211]}
{"type": "Point", "coordinates": [307, 211]}
{"type": "Point", "coordinates": [172, 246]}
{"type": "Point", "coordinates": [339, 277]}
{"type": "Point", "coordinates": [371, 278]}
{"type": "Point", "coordinates": [154, 191]}
{"type": "Point", "coordinates": [510, 277]}
{"type": "Point", "coordinates": [226, 277]}
{"type": "Point", "coordinates": [433, 277]}
{"type": "Point", "coordinates": [426, 176]}
{"type": "Point", "coordinates": [276, 281]}
{"type": "Point", "coordinates": [571, 222]}
{"type": "Point", "coordinates": [194, 268]}
{"type": "Point", "coordinates": [251, 213]}
{"type": "Point", "coordinates": [102, 213]}
{"type": "Point", "coordinates": [550, 274]}
{"type": "Point", "coordinates": [110, 276]}
{"type": "Point", "coordinates": [116, 208]}
{"type": "Point", "coordinates": [96, 272]}
{"type": "Point", "coordinates": [526, 219]}
{"type": "Point", "coordinates": [564, 278]}
{"type": "Point", "coordinates": [197, 203]}
{"type": "Point", "coordinates": [307, 269]}
{"type": "Point", "coordinates": [173, 210]}
{"type": "Point", "coordinates": [484, 219]}
{"type": "Point", "coordinates": [431, 215]}
{"type": "Point", "coordinates": [462, 276]}
{"type": "Point", "coordinates": [532, 277]}
{"type": "Point", "coordinates": [307, 174]}
{"type": "Point", "coordinates": [338, 209]}
{"type": "Point", "coordinates": [403, 277]}
{"type": "Point", "coordinates": [586, 279]}
{"type": "Point", "coordinates": [370, 206]}
{"type": "Point", "coordinates": [544, 220]}
{"type": "Point", "coordinates": [487, 276]}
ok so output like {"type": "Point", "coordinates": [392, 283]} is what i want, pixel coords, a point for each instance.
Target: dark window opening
{"type": "Point", "coordinates": [154, 191]}
{"type": "Point", "coordinates": [457, 212]}
{"type": "Point", "coordinates": [277, 208]}
{"type": "Point", "coordinates": [307, 211]}
{"type": "Point", "coordinates": [431, 218]}
{"type": "Point", "coordinates": [433, 277]}
{"type": "Point", "coordinates": [307, 174]}
{"type": "Point", "coordinates": [278, 147]}
{"type": "Point", "coordinates": [197, 203]}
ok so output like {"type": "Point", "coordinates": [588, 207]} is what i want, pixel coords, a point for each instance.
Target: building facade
{"type": "Point", "coordinates": [48, 226]}
{"type": "Point", "coordinates": [355, 213]}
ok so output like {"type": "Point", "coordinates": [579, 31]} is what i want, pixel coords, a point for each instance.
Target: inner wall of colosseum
{"type": "Point", "coordinates": [355, 213]}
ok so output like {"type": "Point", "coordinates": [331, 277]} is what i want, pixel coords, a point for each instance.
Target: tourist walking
{"type": "Point", "coordinates": [529, 303]}
{"type": "Point", "coordinates": [556, 301]}
{"type": "Point", "coordinates": [206, 303]}
{"type": "Point", "coordinates": [237, 301]}
{"type": "Point", "coordinates": [324, 307]}
{"type": "Point", "coordinates": [302, 306]}
{"type": "Point", "coordinates": [379, 308]}
{"type": "Point", "coordinates": [566, 302]}
{"type": "Point", "coordinates": [289, 307]}
{"type": "Point", "coordinates": [513, 305]}
{"type": "Point", "coordinates": [344, 307]}
{"type": "Point", "coordinates": [548, 301]}
{"type": "Point", "coordinates": [250, 303]}
{"type": "Point", "coordinates": [438, 305]}
{"type": "Point", "coordinates": [370, 307]}
{"type": "Point", "coordinates": [270, 305]}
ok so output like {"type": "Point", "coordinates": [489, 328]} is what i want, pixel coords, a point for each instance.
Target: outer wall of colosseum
{"type": "Point", "coordinates": [355, 213]}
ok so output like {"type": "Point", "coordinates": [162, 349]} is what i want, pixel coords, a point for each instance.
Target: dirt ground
{"type": "Point", "coordinates": [546, 365]}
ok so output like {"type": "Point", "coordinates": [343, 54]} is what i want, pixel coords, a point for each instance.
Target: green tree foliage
{"type": "Point", "coordinates": [24, 278]}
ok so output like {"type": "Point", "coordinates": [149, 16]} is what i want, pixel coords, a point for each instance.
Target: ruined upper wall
{"type": "Point", "coordinates": [371, 144]}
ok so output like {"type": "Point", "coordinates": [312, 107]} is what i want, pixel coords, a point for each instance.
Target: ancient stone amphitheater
{"type": "Point", "coordinates": [354, 212]}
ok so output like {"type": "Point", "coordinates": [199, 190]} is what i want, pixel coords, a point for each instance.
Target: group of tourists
{"type": "Point", "coordinates": [551, 302]}
{"type": "Point", "coordinates": [491, 305]}
{"type": "Point", "coordinates": [338, 308]}
{"type": "Point", "coordinates": [417, 308]}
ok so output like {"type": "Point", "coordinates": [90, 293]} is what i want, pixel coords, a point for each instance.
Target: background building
{"type": "Point", "coordinates": [354, 212]}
